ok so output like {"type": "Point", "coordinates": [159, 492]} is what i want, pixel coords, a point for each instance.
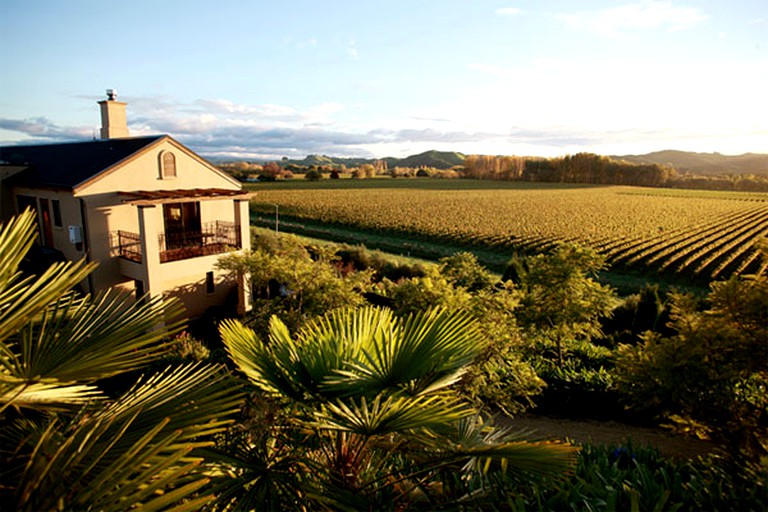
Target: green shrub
{"type": "Point", "coordinates": [644, 311]}
{"type": "Point", "coordinates": [712, 373]}
{"type": "Point", "coordinates": [360, 258]}
{"type": "Point", "coordinates": [295, 282]}
{"type": "Point", "coordinates": [463, 269]}
{"type": "Point", "coordinates": [186, 348]}
{"type": "Point", "coordinates": [627, 477]}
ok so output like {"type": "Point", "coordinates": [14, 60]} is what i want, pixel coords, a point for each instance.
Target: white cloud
{"type": "Point", "coordinates": [509, 11]}
{"type": "Point", "coordinates": [352, 52]}
{"type": "Point", "coordinates": [346, 43]}
{"type": "Point", "coordinates": [646, 15]}
{"type": "Point", "coordinates": [548, 107]}
{"type": "Point", "coordinates": [299, 44]}
{"type": "Point", "coordinates": [308, 43]}
{"type": "Point", "coordinates": [617, 103]}
{"type": "Point", "coordinates": [490, 69]}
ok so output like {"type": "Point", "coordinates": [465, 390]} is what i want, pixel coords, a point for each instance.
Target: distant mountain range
{"type": "Point", "coordinates": [710, 164]}
{"type": "Point", "coordinates": [436, 159]}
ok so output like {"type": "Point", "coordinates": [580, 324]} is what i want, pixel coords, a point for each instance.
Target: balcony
{"type": "Point", "coordinates": [214, 238]}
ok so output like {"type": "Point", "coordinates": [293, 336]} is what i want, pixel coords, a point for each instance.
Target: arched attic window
{"type": "Point", "coordinates": [167, 165]}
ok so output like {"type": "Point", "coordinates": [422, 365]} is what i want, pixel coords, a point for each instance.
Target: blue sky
{"type": "Point", "coordinates": [266, 79]}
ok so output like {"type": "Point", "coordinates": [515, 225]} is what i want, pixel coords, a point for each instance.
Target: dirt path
{"type": "Point", "coordinates": [609, 432]}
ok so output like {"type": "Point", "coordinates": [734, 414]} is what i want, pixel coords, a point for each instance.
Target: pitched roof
{"type": "Point", "coordinates": [68, 164]}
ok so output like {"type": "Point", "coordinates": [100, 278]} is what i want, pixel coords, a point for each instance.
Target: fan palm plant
{"type": "Point", "coordinates": [65, 444]}
{"type": "Point", "coordinates": [373, 413]}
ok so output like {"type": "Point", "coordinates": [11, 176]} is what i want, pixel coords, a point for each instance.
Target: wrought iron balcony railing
{"type": "Point", "coordinates": [214, 238]}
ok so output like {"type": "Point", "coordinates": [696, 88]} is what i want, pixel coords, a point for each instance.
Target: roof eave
{"type": "Point", "coordinates": [151, 198]}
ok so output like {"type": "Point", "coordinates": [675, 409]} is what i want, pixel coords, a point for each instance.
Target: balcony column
{"type": "Point", "coordinates": [243, 225]}
{"type": "Point", "coordinates": [150, 249]}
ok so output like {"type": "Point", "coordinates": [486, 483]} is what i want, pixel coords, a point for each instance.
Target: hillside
{"type": "Point", "coordinates": [436, 159]}
{"type": "Point", "coordinates": [710, 164]}
{"type": "Point", "coordinates": [320, 160]}
{"type": "Point", "coordinates": [706, 164]}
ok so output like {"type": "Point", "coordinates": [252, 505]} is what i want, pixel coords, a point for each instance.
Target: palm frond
{"type": "Point", "coordinates": [483, 444]}
{"type": "Point", "coordinates": [271, 368]}
{"type": "Point", "coordinates": [23, 299]}
{"type": "Point", "coordinates": [357, 352]}
{"type": "Point", "coordinates": [16, 238]}
{"type": "Point", "coordinates": [75, 341]}
{"type": "Point", "coordinates": [127, 452]}
{"type": "Point", "coordinates": [196, 397]}
{"type": "Point", "coordinates": [23, 302]}
{"type": "Point", "coordinates": [261, 474]}
{"type": "Point", "coordinates": [388, 414]}
{"type": "Point", "coordinates": [89, 339]}
{"type": "Point", "coordinates": [48, 336]}
{"type": "Point", "coordinates": [49, 396]}
{"type": "Point", "coordinates": [423, 354]}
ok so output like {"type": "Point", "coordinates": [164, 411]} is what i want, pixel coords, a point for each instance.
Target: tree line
{"type": "Point", "coordinates": [578, 168]}
{"type": "Point", "coordinates": [587, 168]}
{"type": "Point", "coordinates": [599, 170]}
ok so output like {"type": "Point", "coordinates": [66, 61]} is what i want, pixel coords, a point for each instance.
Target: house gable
{"type": "Point", "coordinates": [150, 169]}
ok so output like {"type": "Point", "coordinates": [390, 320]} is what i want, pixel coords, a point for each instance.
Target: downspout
{"type": "Point", "coordinates": [86, 245]}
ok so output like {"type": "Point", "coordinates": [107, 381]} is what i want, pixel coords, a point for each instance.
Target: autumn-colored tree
{"type": "Point", "coordinates": [271, 171]}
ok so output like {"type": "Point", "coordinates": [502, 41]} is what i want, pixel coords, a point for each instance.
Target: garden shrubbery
{"type": "Point", "coordinates": [618, 478]}
{"type": "Point", "coordinates": [362, 408]}
{"type": "Point", "coordinates": [557, 338]}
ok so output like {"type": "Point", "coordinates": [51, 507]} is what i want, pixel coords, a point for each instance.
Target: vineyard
{"type": "Point", "coordinates": [702, 234]}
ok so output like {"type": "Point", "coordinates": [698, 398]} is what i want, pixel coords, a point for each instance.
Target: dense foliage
{"type": "Point", "coordinates": [711, 375]}
{"type": "Point", "coordinates": [626, 477]}
{"type": "Point", "coordinates": [521, 366]}
{"type": "Point", "coordinates": [355, 407]}
{"type": "Point", "coordinates": [298, 284]}
{"type": "Point", "coordinates": [71, 440]}
{"type": "Point", "coordinates": [371, 422]}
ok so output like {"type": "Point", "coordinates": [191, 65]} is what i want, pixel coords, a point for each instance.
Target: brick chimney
{"type": "Point", "coordinates": [113, 121]}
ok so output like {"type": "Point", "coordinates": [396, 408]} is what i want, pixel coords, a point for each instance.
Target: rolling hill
{"type": "Point", "coordinates": [705, 164]}
{"type": "Point", "coordinates": [436, 159]}
{"type": "Point", "coordinates": [708, 164]}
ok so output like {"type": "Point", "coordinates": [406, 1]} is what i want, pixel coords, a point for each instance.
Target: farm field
{"type": "Point", "coordinates": [701, 235]}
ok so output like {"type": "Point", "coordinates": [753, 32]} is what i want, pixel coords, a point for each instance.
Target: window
{"type": "Point", "coordinates": [209, 284]}
{"type": "Point", "coordinates": [182, 225]}
{"type": "Point", "coordinates": [138, 287]}
{"type": "Point", "coordinates": [56, 212]}
{"type": "Point", "coordinates": [167, 165]}
{"type": "Point", "coordinates": [45, 219]}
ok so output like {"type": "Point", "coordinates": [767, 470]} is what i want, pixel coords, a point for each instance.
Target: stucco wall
{"type": "Point", "coordinates": [142, 172]}
{"type": "Point", "coordinates": [70, 216]}
{"type": "Point", "coordinates": [185, 280]}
